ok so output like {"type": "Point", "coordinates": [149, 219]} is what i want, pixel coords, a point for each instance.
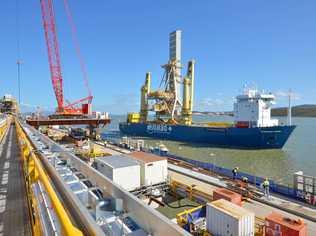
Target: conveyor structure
{"type": "Point", "coordinates": [68, 197]}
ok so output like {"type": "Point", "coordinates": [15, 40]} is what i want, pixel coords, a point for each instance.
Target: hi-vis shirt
{"type": "Point", "coordinates": [266, 183]}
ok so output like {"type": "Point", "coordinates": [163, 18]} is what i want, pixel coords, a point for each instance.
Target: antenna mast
{"type": "Point", "coordinates": [289, 112]}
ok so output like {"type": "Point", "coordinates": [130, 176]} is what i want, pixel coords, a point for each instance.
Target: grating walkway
{"type": "Point", "coordinates": [14, 217]}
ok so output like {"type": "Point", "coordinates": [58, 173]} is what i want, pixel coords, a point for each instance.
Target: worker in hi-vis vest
{"type": "Point", "coordinates": [266, 186]}
{"type": "Point", "coordinates": [235, 173]}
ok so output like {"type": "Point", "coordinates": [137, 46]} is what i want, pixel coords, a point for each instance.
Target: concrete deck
{"type": "Point", "coordinates": [14, 216]}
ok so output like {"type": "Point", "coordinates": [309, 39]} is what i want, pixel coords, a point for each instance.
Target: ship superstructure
{"type": "Point", "coordinates": [252, 126]}
{"type": "Point", "coordinates": [253, 109]}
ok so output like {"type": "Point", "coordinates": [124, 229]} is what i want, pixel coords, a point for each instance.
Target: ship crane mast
{"type": "Point", "coordinates": [165, 102]}
{"type": "Point", "coordinates": [49, 24]}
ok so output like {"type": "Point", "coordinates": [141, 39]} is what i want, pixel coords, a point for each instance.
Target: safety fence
{"type": "Point", "coordinates": [255, 180]}
{"type": "Point", "coordinates": [286, 191]}
{"type": "Point", "coordinates": [35, 175]}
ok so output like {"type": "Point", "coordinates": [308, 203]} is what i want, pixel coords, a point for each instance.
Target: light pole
{"type": "Point", "coordinates": [18, 47]}
{"type": "Point", "coordinates": [289, 113]}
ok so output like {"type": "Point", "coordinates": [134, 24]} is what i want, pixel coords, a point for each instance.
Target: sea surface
{"type": "Point", "coordinates": [299, 153]}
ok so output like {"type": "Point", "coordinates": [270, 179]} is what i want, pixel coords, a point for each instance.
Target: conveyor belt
{"type": "Point", "coordinates": [14, 217]}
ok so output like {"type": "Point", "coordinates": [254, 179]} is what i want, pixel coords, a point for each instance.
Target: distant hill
{"type": "Point", "coordinates": [307, 110]}
{"type": "Point", "coordinates": [213, 113]}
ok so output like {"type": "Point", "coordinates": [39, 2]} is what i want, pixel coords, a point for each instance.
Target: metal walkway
{"type": "Point", "coordinates": [14, 216]}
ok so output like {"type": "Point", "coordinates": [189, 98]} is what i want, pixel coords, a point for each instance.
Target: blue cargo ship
{"type": "Point", "coordinates": [252, 127]}
{"type": "Point", "coordinates": [234, 137]}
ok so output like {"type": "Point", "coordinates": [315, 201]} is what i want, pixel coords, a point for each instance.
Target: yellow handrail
{"type": "Point", "coordinates": [35, 171]}
{"type": "Point", "coordinates": [61, 213]}
{"type": "Point", "coordinates": [3, 127]}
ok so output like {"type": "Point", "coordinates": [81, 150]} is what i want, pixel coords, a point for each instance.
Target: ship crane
{"type": "Point", "coordinates": [165, 102]}
{"type": "Point", "coordinates": [49, 24]}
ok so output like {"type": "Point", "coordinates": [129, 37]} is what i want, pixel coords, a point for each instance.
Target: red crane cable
{"type": "Point", "coordinates": [78, 51]}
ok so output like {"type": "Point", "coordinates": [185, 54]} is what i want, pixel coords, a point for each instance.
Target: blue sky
{"type": "Point", "coordinates": [269, 43]}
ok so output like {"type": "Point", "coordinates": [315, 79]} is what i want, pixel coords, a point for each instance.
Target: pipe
{"type": "Point", "coordinates": [145, 90]}
{"type": "Point", "coordinates": [191, 74]}
{"type": "Point", "coordinates": [148, 82]}
{"type": "Point", "coordinates": [186, 96]}
{"type": "Point", "coordinates": [188, 92]}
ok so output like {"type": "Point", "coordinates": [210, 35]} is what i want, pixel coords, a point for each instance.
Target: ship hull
{"type": "Point", "coordinates": [232, 137]}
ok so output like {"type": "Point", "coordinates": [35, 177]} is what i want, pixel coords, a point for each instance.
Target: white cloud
{"type": "Point", "coordinates": [282, 95]}
{"type": "Point", "coordinates": [26, 107]}
{"type": "Point", "coordinates": [121, 104]}
{"type": "Point", "coordinates": [210, 104]}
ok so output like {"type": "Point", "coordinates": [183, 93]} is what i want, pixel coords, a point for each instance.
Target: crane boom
{"type": "Point", "coordinates": [53, 51]}
{"type": "Point", "coordinates": [49, 24]}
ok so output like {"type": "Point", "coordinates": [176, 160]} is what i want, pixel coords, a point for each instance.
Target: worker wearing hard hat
{"type": "Point", "coordinates": [266, 186]}
{"type": "Point", "coordinates": [235, 172]}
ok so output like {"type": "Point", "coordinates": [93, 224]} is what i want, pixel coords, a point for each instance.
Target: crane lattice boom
{"type": "Point", "coordinates": [54, 59]}
{"type": "Point", "coordinates": [53, 51]}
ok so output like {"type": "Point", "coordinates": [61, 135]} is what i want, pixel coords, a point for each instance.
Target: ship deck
{"type": "Point", "coordinates": [14, 216]}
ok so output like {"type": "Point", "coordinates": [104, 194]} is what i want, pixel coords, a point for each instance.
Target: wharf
{"type": "Point", "coordinates": [14, 215]}
{"type": "Point", "coordinates": [261, 207]}
{"type": "Point", "coordinates": [108, 150]}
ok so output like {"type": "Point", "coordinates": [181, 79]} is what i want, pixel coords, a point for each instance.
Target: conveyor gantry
{"type": "Point", "coordinates": [72, 198]}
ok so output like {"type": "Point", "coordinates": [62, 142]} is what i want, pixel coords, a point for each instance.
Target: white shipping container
{"type": "Point", "coordinates": [121, 170]}
{"type": "Point", "coordinates": [153, 168]}
{"type": "Point", "coordinates": [228, 219]}
{"type": "Point", "coordinates": [154, 173]}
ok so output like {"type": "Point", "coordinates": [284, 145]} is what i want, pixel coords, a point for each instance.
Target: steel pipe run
{"type": "Point", "coordinates": [34, 172]}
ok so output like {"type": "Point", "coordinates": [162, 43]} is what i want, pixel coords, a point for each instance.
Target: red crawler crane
{"type": "Point", "coordinates": [71, 109]}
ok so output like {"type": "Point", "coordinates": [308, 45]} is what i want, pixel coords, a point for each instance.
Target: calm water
{"type": "Point", "coordinates": [299, 153]}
